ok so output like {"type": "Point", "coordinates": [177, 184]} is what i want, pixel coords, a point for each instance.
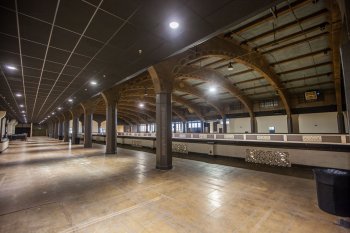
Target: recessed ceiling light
{"type": "Point", "coordinates": [23, 111]}
{"type": "Point", "coordinates": [93, 83]}
{"type": "Point", "coordinates": [11, 67]}
{"type": "Point", "coordinates": [18, 94]}
{"type": "Point", "coordinates": [59, 108]}
{"type": "Point", "coordinates": [212, 89]}
{"type": "Point", "coordinates": [141, 105]}
{"type": "Point", "coordinates": [53, 113]}
{"type": "Point", "coordinates": [21, 105]}
{"type": "Point", "coordinates": [70, 100]}
{"type": "Point", "coordinates": [174, 25]}
{"type": "Point", "coordinates": [85, 89]}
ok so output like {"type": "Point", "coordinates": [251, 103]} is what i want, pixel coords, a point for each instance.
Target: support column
{"type": "Point", "coordinates": [163, 134]}
{"type": "Point", "coordinates": [111, 97]}
{"type": "Point", "coordinates": [289, 123]}
{"type": "Point", "coordinates": [60, 129]}
{"type": "Point", "coordinates": [56, 130]}
{"type": "Point", "coordinates": [253, 124]}
{"type": "Point", "coordinates": [341, 123]}
{"type": "Point", "coordinates": [66, 130]}
{"type": "Point", "coordinates": [224, 125]}
{"type": "Point", "coordinates": [184, 127]}
{"type": "Point", "coordinates": [146, 128]}
{"type": "Point", "coordinates": [345, 58]}
{"type": "Point", "coordinates": [87, 129]}
{"type": "Point", "coordinates": [75, 128]}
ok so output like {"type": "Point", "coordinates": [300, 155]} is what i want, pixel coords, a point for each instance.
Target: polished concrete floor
{"type": "Point", "coordinates": [49, 186]}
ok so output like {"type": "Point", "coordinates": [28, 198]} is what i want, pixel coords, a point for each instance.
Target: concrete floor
{"type": "Point", "coordinates": [49, 186]}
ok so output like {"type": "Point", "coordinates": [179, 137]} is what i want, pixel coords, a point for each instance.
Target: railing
{"type": "Point", "coordinates": [289, 138]}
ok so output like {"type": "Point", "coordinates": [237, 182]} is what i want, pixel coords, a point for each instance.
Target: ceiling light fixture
{"type": "Point", "coordinates": [21, 105]}
{"type": "Point", "coordinates": [53, 113]}
{"type": "Point", "coordinates": [93, 83]}
{"type": "Point", "coordinates": [19, 95]}
{"type": "Point", "coordinates": [141, 105]}
{"type": "Point", "coordinates": [11, 67]}
{"type": "Point", "coordinates": [23, 111]}
{"type": "Point", "coordinates": [212, 89]}
{"type": "Point", "coordinates": [174, 25]}
{"type": "Point", "coordinates": [70, 100]}
{"type": "Point", "coordinates": [230, 67]}
{"type": "Point", "coordinates": [59, 108]}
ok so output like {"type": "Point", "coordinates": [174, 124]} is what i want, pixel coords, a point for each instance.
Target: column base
{"type": "Point", "coordinates": [164, 168]}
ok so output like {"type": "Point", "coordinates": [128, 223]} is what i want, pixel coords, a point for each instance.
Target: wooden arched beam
{"type": "Point", "coordinates": [191, 107]}
{"type": "Point", "coordinates": [224, 48]}
{"type": "Point", "coordinates": [128, 113]}
{"type": "Point", "coordinates": [212, 76]}
{"type": "Point", "coordinates": [151, 109]}
{"type": "Point", "coordinates": [177, 99]}
{"type": "Point", "coordinates": [184, 87]}
{"type": "Point", "coordinates": [141, 111]}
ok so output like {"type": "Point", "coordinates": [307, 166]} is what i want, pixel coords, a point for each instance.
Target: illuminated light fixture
{"type": "Point", "coordinates": [48, 116]}
{"type": "Point", "coordinates": [19, 95]}
{"type": "Point", "coordinates": [212, 89]}
{"type": "Point", "coordinates": [23, 111]}
{"type": "Point", "coordinates": [11, 67]}
{"type": "Point", "coordinates": [59, 108]}
{"type": "Point", "coordinates": [93, 83]}
{"type": "Point", "coordinates": [21, 105]}
{"type": "Point", "coordinates": [174, 25]}
{"type": "Point", "coordinates": [141, 105]}
{"type": "Point", "coordinates": [230, 67]}
{"type": "Point", "coordinates": [70, 100]}
{"type": "Point", "coordinates": [53, 113]}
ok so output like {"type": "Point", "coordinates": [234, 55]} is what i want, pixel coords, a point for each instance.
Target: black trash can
{"type": "Point", "coordinates": [333, 191]}
{"type": "Point", "coordinates": [77, 140]}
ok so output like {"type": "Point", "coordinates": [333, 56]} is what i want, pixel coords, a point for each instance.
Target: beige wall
{"type": "Point", "coordinates": [325, 122]}
{"type": "Point", "coordinates": [279, 122]}
{"type": "Point", "coordinates": [239, 125]}
{"type": "Point", "coordinates": [94, 127]}
{"type": "Point", "coordinates": [80, 126]}
{"type": "Point", "coordinates": [120, 128]}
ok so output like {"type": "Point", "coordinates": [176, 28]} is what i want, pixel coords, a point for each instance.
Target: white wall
{"type": "Point", "coordinates": [325, 122]}
{"type": "Point", "coordinates": [239, 125]}
{"type": "Point", "coordinates": [279, 122]}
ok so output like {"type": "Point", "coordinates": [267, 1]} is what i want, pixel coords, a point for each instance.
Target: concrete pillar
{"type": "Point", "coordinates": [87, 129]}
{"type": "Point", "coordinates": [66, 130]}
{"type": "Point", "coordinates": [174, 127]}
{"type": "Point", "coordinates": [111, 118]}
{"type": "Point", "coordinates": [224, 125]}
{"type": "Point", "coordinates": [345, 59]}
{"type": "Point", "coordinates": [111, 97]}
{"type": "Point", "coordinates": [341, 123]}
{"type": "Point", "coordinates": [184, 126]}
{"type": "Point", "coordinates": [75, 128]}
{"type": "Point", "coordinates": [56, 130]}
{"type": "Point", "coordinates": [60, 129]}
{"type": "Point", "coordinates": [253, 124]}
{"type": "Point", "coordinates": [163, 134]}
{"type": "Point", "coordinates": [289, 123]}
{"type": "Point", "coordinates": [187, 128]}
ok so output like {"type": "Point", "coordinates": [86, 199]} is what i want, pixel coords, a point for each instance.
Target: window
{"type": "Point", "coordinates": [269, 103]}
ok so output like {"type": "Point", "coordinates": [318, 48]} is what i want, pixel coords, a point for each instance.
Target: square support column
{"type": "Point", "coordinates": [110, 128]}
{"type": "Point", "coordinates": [163, 133]}
{"type": "Point", "coordinates": [66, 130]}
{"type": "Point", "coordinates": [87, 130]}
